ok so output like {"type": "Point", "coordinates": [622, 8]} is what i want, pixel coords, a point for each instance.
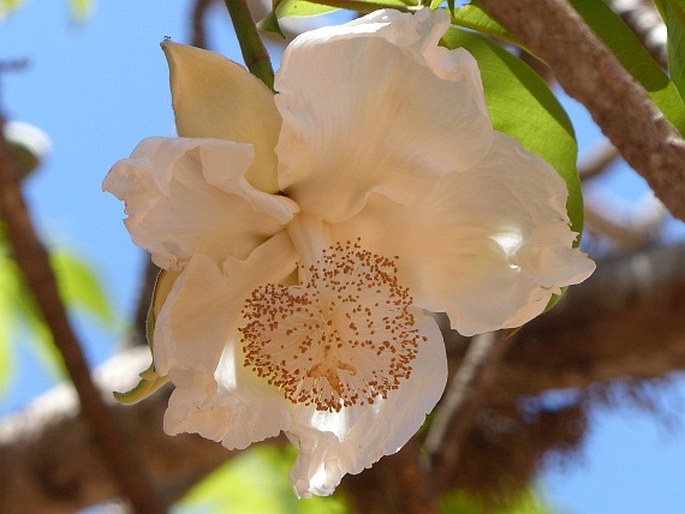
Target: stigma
{"type": "Point", "coordinates": [345, 336]}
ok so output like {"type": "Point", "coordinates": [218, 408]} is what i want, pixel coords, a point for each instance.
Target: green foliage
{"type": "Point", "coordinates": [7, 6]}
{"type": "Point", "coordinates": [463, 503]}
{"type": "Point", "coordinates": [521, 105]}
{"type": "Point", "coordinates": [673, 12]}
{"type": "Point", "coordinates": [473, 16]}
{"type": "Point", "coordinates": [255, 482]}
{"type": "Point", "coordinates": [635, 58]}
{"type": "Point", "coordinates": [303, 9]}
{"type": "Point", "coordinates": [80, 286]}
{"type": "Point", "coordinates": [19, 315]}
{"type": "Point", "coordinates": [79, 9]}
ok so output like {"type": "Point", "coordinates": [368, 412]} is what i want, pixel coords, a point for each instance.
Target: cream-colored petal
{"type": "Point", "coordinates": [335, 443]}
{"type": "Point", "coordinates": [188, 196]}
{"type": "Point", "coordinates": [249, 412]}
{"type": "Point", "coordinates": [215, 97]}
{"type": "Point", "coordinates": [489, 245]}
{"type": "Point", "coordinates": [196, 345]}
{"type": "Point", "coordinates": [375, 106]}
{"type": "Point", "coordinates": [202, 311]}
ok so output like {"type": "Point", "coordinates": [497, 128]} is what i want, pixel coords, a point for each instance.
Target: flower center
{"type": "Point", "coordinates": [345, 337]}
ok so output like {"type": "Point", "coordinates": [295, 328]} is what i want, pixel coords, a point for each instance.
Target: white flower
{"type": "Point", "coordinates": [376, 168]}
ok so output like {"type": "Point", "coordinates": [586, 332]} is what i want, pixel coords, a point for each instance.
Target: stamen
{"type": "Point", "coordinates": [345, 337]}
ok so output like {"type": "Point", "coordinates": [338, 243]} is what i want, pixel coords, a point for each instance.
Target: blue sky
{"type": "Point", "coordinates": [99, 88]}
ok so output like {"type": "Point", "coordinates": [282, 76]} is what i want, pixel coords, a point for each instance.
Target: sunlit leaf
{"type": "Point", "coordinates": [464, 503]}
{"type": "Point", "coordinates": [473, 16]}
{"type": "Point", "coordinates": [635, 58]}
{"type": "Point", "coordinates": [20, 318]}
{"type": "Point", "coordinates": [300, 8]}
{"type": "Point", "coordinates": [7, 6]}
{"type": "Point", "coordinates": [80, 286]}
{"type": "Point", "coordinates": [673, 12]}
{"type": "Point", "coordinates": [521, 105]}
{"type": "Point", "coordinates": [80, 9]}
{"type": "Point", "coordinates": [255, 482]}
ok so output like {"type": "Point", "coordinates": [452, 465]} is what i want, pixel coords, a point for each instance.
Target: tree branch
{"type": "Point", "coordinates": [32, 260]}
{"type": "Point", "coordinates": [49, 463]}
{"type": "Point", "coordinates": [590, 73]}
{"type": "Point", "coordinates": [454, 418]}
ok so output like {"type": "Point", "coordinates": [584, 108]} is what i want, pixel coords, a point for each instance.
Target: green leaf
{"type": "Point", "coordinates": [149, 382]}
{"type": "Point", "coordinates": [269, 23]}
{"type": "Point", "coordinates": [255, 482]}
{"type": "Point", "coordinates": [19, 314]}
{"type": "Point", "coordinates": [522, 106]}
{"type": "Point", "coordinates": [473, 16]}
{"type": "Point", "coordinates": [300, 8]}
{"type": "Point", "coordinates": [303, 8]}
{"type": "Point", "coordinates": [673, 12]}
{"type": "Point", "coordinates": [80, 9]}
{"type": "Point", "coordinates": [464, 502]}
{"type": "Point", "coordinates": [635, 58]}
{"type": "Point", "coordinates": [80, 287]}
{"type": "Point", "coordinates": [7, 6]}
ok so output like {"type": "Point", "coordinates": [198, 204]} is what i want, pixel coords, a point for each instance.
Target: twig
{"type": "Point", "coordinates": [600, 159]}
{"type": "Point", "coordinates": [198, 30]}
{"type": "Point", "coordinates": [455, 415]}
{"type": "Point", "coordinates": [629, 226]}
{"type": "Point", "coordinates": [590, 73]}
{"type": "Point", "coordinates": [254, 53]}
{"type": "Point", "coordinates": [33, 262]}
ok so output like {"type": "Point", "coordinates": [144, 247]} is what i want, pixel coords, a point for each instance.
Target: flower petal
{"type": "Point", "coordinates": [362, 104]}
{"type": "Point", "coordinates": [202, 312]}
{"type": "Point", "coordinates": [489, 245]}
{"type": "Point", "coordinates": [247, 412]}
{"type": "Point", "coordinates": [335, 443]}
{"type": "Point", "coordinates": [187, 196]}
{"type": "Point", "coordinates": [215, 97]}
{"type": "Point", "coordinates": [195, 344]}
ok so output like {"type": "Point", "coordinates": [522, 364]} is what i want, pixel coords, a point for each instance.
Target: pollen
{"type": "Point", "coordinates": [345, 337]}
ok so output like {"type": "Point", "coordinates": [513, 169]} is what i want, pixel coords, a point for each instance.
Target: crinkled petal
{"type": "Point", "coordinates": [361, 105]}
{"type": "Point", "coordinates": [215, 97]}
{"type": "Point", "coordinates": [195, 344]}
{"type": "Point", "coordinates": [489, 245]}
{"type": "Point", "coordinates": [189, 196]}
{"type": "Point", "coordinates": [202, 311]}
{"type": "Point", "coordinates": [233, 406]}
{"type": "Point", "coordinates": [335, 443]}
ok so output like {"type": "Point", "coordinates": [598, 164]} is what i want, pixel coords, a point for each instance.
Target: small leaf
{"type": "Point", "coordinates": [149, 382]}
{"type": "Point", "coordinates": [7, 6]}
{"type": "Point", "coordinates": [673, 12]}
{"type": "Point", "coordinates": [635, 58]}
{"type": "Point", "coordinates": [80, 9]}
{"type": "Point", "coordinates": [269, 23]}
{"type": "Point", "coordinates": [80, 286]}
{"type": "Point", "coordinates": [473, 16]}
{"type": "Point", "coordinates": [301, 8]}
{"type": "Point", "coordinates": [522, 106]}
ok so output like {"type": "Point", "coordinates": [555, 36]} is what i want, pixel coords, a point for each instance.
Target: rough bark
{"type": "Point", "coordinates": [591, 74]}
{"type": "Point", "coordinates": [50, 463]}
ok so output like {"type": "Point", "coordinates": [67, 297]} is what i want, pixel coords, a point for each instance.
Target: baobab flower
{"type": "Point", "coordinates": [303, 235]}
